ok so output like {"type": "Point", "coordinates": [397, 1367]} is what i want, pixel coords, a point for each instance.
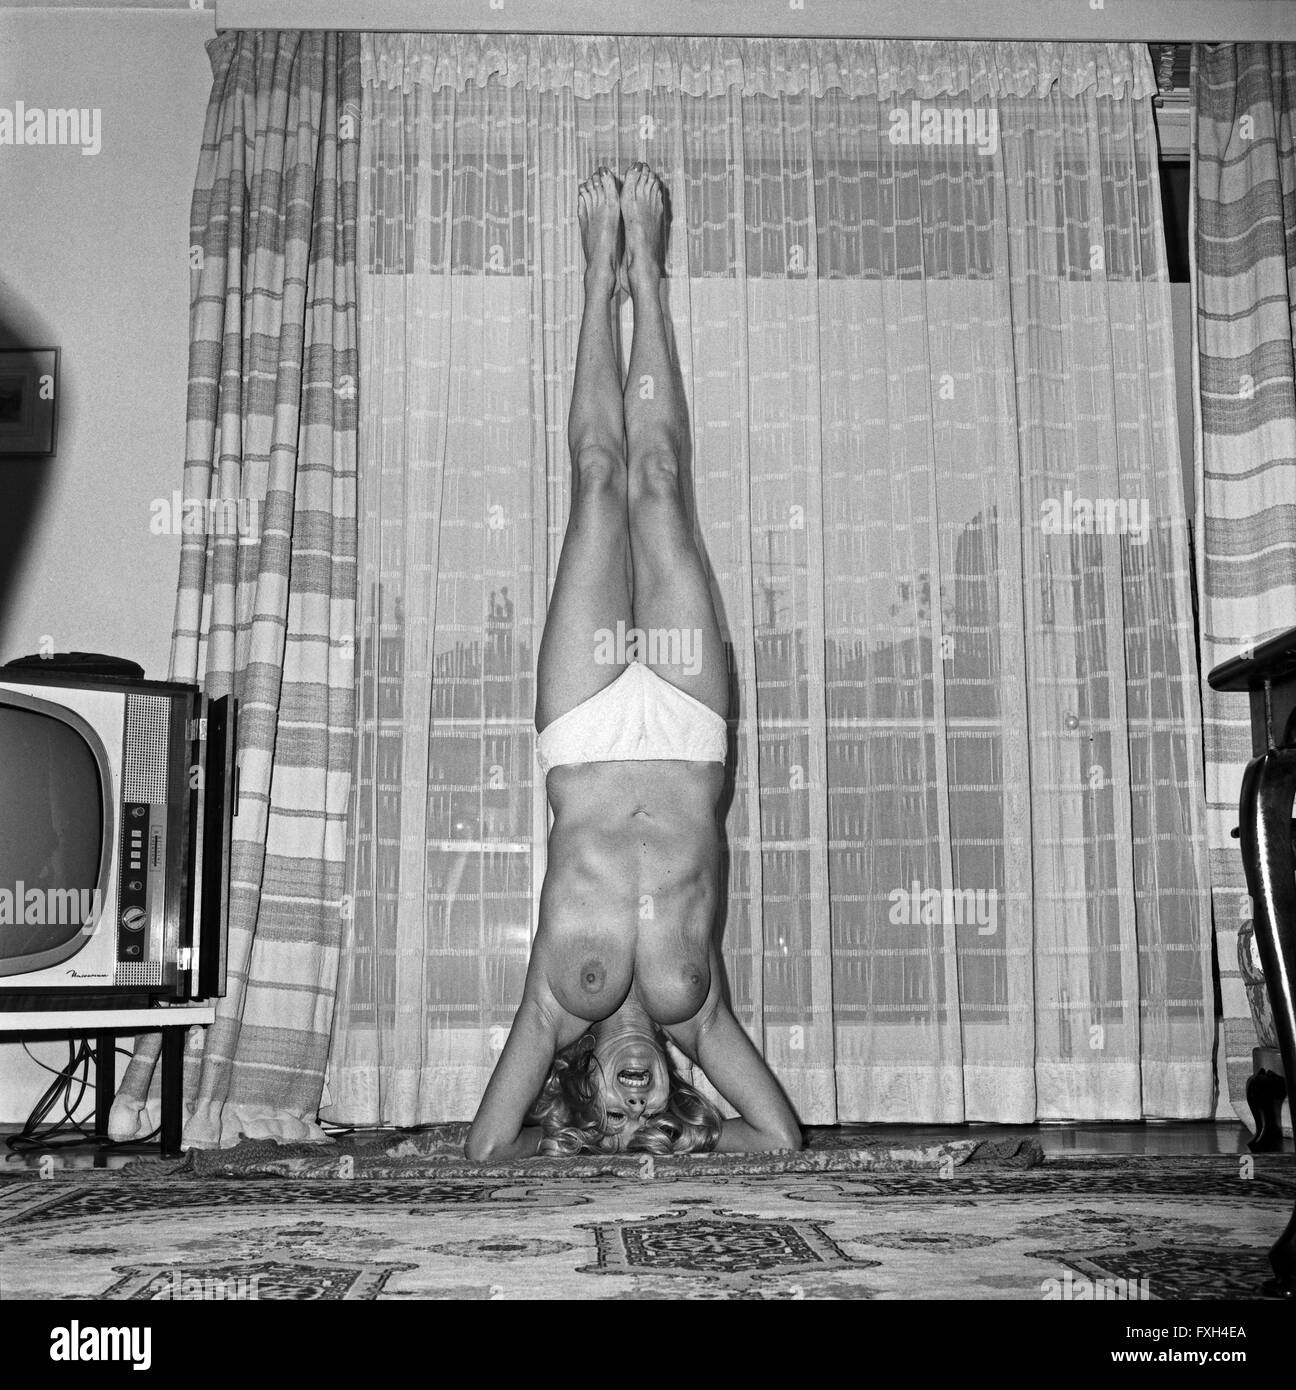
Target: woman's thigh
{"type": "Point", "coordinates": [673, 608]}
{"type": "Point", "coordinates": [589, 611]}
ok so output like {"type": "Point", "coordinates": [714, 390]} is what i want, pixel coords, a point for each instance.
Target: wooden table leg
{"type": "Point", "coordinates": [1268, 793]}
{"type": "Point", "coordinates": [173, 1046]}
{"type": "Point", "coordinates": [105, 1051]}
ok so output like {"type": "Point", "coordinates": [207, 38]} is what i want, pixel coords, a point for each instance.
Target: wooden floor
{"type": "Point", "coordinates": [1154, 1138]}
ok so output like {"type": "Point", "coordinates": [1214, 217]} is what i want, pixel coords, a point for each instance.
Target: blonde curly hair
{"type": "Point", "coordinates": [571, 1112]}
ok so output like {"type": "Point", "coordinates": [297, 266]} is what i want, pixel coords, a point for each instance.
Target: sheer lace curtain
{"type": "Point", "coordinates": [920, 300]}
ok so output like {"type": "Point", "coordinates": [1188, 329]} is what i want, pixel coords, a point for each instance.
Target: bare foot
{"type": "Point", "coordinates": [643, 202]}
{"type": "Point", "coordinates": [599, 211]}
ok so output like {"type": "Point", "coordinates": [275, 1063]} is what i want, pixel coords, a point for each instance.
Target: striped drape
{"type": "Point", "coordinates": [1244, 277]}
{"type": "Point", "coordinates": [266, 608]}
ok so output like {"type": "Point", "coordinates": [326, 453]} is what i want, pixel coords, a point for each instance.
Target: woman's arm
{"type": "Point", "coordinates": [716, 1041]}
{"type": "Point", "coordinates": [539, 1029]}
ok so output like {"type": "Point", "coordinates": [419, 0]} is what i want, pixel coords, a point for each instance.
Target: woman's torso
{"type": "Point", "coordinates": [630, 893]}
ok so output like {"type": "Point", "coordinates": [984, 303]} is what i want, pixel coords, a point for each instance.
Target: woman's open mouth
{"type": "Point", "coordinates": [636, 1078]}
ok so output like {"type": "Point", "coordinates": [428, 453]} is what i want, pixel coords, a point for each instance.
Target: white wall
{"type": "Point", "coordinates": [93, 260]}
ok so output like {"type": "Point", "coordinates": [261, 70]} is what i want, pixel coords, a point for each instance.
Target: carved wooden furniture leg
{"type": "Point", "coordinates": [1268, 793]}
{"type": "Point", "coordinates": [1265, 1092]}
{"type": "Point", "coordinates": [1267, 673]}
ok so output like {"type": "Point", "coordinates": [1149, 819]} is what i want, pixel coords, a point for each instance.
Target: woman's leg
{"type": "Point", "coordinates": [672, 597]}
{"type": "Point", "coordinates": [592, 590]}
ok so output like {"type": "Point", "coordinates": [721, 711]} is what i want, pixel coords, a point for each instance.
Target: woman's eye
{"type": "Point", "coordinates": [615, 1115]}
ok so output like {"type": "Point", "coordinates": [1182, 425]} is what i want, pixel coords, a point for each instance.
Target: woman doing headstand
{"type": "Point", "coordinates": [625, 955]}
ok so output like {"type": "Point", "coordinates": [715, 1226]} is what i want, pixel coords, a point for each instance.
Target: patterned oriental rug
{"type": "Point", "coordinates": [397, 1217]}
{"type": "Point", "coordinates": [437, 1151]}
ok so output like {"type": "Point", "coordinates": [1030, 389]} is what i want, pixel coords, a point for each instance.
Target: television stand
{"type": "Point", "coordinates": [173, 1023]}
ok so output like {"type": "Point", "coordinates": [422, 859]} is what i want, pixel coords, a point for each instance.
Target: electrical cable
{"type": "Point", "coordinates": [69, 1131]}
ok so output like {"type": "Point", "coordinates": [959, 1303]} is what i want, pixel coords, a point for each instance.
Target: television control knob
{"type": "Point", "coordinates": [133, 919]}
{"type": "Point", "coordinates": [133, 949]}
{"type": "Point", "coordinates": [134, 885]}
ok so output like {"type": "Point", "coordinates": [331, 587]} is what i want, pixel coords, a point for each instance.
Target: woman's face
{"type": "Point", "coordinates": [631, 1079]}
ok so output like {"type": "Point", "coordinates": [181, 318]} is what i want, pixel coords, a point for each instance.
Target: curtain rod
{"type": "Point", "coordinates": [1060, 21]}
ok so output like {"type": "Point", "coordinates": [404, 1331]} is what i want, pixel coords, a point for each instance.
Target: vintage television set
{"type": "Point", "coordinates": [116, 798]}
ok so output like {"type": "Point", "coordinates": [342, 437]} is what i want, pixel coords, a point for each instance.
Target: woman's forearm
{"type": "Point", "coordinates": [737, 1136]}
{"type": "Point", "coordinates": [525, 1145]}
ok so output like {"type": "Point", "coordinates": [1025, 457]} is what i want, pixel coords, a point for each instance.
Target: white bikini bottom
{"type": "Point", "coordinates": [640, 717]}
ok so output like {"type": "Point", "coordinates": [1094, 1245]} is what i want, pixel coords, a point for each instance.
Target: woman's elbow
{"type": "Point", "coordinates": [478, 1148]}
{"type": "Point", "coordinates": [788, 1139]}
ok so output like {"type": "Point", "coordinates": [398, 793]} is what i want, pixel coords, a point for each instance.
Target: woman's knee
{"type": "Point", "coordinates": [655, 478]}
{"type": "Point", "coordinates": [598, 469]}
{"type": "Point", "coordinates": [659, 519]}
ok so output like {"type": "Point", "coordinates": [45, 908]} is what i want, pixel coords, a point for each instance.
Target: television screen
{"type": "Point", "coordinates": [51, 832]}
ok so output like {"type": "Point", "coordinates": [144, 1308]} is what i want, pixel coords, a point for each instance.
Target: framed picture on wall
{"type": "Point", "coordinates": [29, 382]}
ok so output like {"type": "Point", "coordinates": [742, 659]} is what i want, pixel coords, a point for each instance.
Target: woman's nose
{"type": "Point", "coordinates": [634, 1104]}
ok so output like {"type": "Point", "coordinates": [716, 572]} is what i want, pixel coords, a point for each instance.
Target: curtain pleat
{"type": "Point", "coordinates": [920, 300]}
{"type": "Point", "coordinates": [268, 614]}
